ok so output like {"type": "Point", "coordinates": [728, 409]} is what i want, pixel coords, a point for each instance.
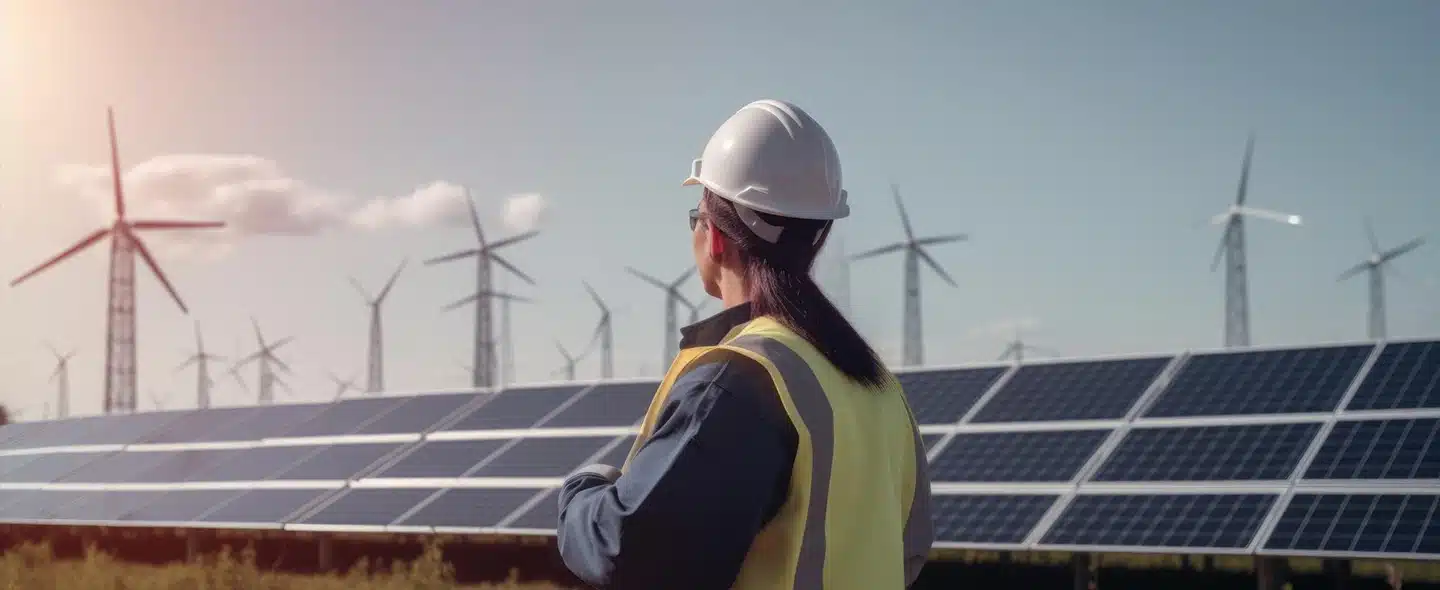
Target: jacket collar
{"type": "Point", "coordinates": [714, 329]}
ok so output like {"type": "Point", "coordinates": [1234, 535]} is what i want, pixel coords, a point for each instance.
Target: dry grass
{"type": "Point", "coordinates": [34, 567]}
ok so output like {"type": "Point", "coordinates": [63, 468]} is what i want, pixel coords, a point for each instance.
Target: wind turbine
{"type": "Point", "coordinates": [914, 249]}
{"type": "Point", "coordinates": [61, 376]}
{"type": "Point", "coordinates": [342, 385]}
{"type": "Point", "coordinates": [263, 357]}
{"type": "Point", "coordinates": [1232, 250]}
{"type": "Point", "coordinates": [696, 308]}
{"type": "Point", "coordinates": [1016, 349]}
{"type": "Point", "coordinates": [1376, 266]}
{"type": "Point", "coordinates": [604, 334]}
{"type": "Point", "coordinates": [201, 360]}
{"type": "Point", "coordinates": [673, 299]}
{"type": "Point", "coordinates": [121, 371]}
{"type": "Point", "coordinates": [375, 360]}
{"type": "Point", "coordinates": [483, 374]}
{"type": "Point", "coordinates": [571, 361]}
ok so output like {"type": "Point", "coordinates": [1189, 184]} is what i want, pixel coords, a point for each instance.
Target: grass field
{"type": "Point", "coordinates": [33, 567]}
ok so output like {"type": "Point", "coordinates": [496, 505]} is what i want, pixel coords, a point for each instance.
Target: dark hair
{"type": "Point", "coordinates": [781, 287]}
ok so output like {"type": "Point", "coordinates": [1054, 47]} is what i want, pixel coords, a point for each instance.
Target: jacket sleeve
{"type": "Point", "coordinates": [685, 512]}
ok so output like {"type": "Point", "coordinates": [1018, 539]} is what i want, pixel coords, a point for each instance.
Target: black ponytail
{"type": "Point", "coordinates": [782, 287]}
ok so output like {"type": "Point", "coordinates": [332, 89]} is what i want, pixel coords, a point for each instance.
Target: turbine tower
{"type": "Point", "coordinates": [375, 359]}
{"type": "Point", "coordinates": [484, 361]}
{"type": "Point", "coordinates": [673, 299]}
{"type": "Point", "coordinates": [1016, 349]}
{"type": "Point", "coordinates": [201, 360]}
{"type": "Point", "coordinates": [1232, 249]}
{"type": "Point", "coordinates": [121, 371]}
{"type": "Point", "coordinates": [1376, 266]}
{"type": "Point", "coordinates": [263, 357]}
{"type": "Point", "coordinates": [914, 249]}
{"type": "Point", "coordinates": [507, 343]}
{"type": "Point", "coordinates": [342, 385]}
{"type": "Point", "coordinates": [61, 376]}
{"type": "Point", "coordinates": [604, 334]}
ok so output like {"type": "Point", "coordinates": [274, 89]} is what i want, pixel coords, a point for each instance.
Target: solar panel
{"type": "Point", "coordinates": [987, 519]}
{"type": "Point", "coordinates": [1345, 524]}
{"type": "Point", "coordinates": [1087, 390]}
{"type": "Point", "coordinates": [542, 457]}
{"type": "Point", "coordinates": [470, 507]}
{"type": "Point", "coordinates": [179, 506]}
{"type": "Point", "coordinates": [419, 413]}
{"type": "Point", "coordinates": [34, 505]}
{"type": "Point", "coordinates": [13, 433]}
{"type": "Point", "coordinates": [208, 425]}
{"type": "Point", "coordinates": [1015, 456]}
{"type": "Point", "coordinates": [10, 463]}
{"type": "Point", "coordinates": [930, 440]}
{"type": "Point", "coordinates": [441, 458]}
{"type": "Point", "coordinates": [49, 467]}
{"type": "Point", "coordinates": [516, 408]}
{"type": "Point", "coordinates": [116, 429]}
{"type": "Point", "coordinates": [543, 515]}
{"type": "Point", "coordinates": [608, 404]}
{"type": "Point", "coordinates": [369, 506]}
{"type": "Point", "coordinates": [179, 466]}
{"type": "Point", "coordinates": [944, 396]}
{"type": "Point", "coordinates": [1404, 375]}
{"type": "Point", "coordinates": [1209, 453]}
{"type": "Point", "coordinates": [268, 422]}
{"type": "Point", "coordinates": [116, 467]}
{"type": "Point", "coordinates": [262, 506]}
{"type": "Point", "coordinates": [1379, 449]}
{"type": "Point", "coordinates": [337, 462]}
{"type": "Point", "coordinates": [103, 506]}
{"type": "Point", "coordinates": [255, 464]}
{"type": "Point", "coordinates": [1263, 382]}
{"type": "Point", "coordinates": [615, 457]}
{"type": "Point", "coordinates": [1189, 521]}
{"type": "Point", "coordinates": [344, 417]}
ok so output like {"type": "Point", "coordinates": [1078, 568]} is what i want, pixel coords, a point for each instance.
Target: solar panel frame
{"type": "Point", "coordinates": [1270, 496]}
{"type": "Point", "coordinates": [989, 500]}
{"type": "Point", "coordinates": [1017, 463]}
{"type": "Point", "coordinates": [948, 408]}
{"type": "Point", "coordinates": [1369, 395]}
{"type": "Point", "coordinates": [996, 407]}
{"type": "Point", "coordinates": [1279, 467]}
{"type": "Point", "coordinates": [1335, 454]}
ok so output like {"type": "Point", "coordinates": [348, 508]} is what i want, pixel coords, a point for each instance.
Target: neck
{"type": "Point", "coordinates": [733, 290]}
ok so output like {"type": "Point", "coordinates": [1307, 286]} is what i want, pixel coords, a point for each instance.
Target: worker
{"type": "Point", "coordinates": [778, 452]}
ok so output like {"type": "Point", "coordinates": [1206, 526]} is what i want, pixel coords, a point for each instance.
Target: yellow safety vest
{"type": "Point", "coordinates": [846, 523]}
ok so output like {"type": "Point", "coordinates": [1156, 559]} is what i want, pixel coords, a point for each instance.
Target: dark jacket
{"type": "Point", "coordinates": [713, 473]}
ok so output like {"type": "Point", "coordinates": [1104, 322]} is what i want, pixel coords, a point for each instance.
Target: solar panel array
{"type": "Point", "coordinates": [1322, 451]}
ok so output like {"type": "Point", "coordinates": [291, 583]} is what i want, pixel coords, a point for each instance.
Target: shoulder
{"type": "Point", "coordinates": [723, 377]}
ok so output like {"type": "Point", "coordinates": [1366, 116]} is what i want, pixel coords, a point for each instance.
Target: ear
{"type": "Point", "coordinates": [715, 242]}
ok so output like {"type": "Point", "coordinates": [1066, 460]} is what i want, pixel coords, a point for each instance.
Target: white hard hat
{"type": "Point", "coordinates": [772, 157]}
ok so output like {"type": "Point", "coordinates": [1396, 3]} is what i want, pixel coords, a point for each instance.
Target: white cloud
{"type": "Point", "coordinates": [525, 212]}
{"type": "Point", "coordinates": [256, 196]}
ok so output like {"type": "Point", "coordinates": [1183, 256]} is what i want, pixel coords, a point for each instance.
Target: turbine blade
{"type": "Point", "coordinates": [497, 259]}
{"type": "Point", "coordinates": [190, 361]}
{"type": "Point", "coordinates": [245, 361]}
{"type": "Point", "coordinates": [1266, 214]}
{"type": "Point", "coordinates": [904, 217]}
{"type": "Point", "coordinates": [359, 289]}
{"type": "Point", "coordinates": [1245, 171]}
{"type": "Point", "coordinates": [1370, 234]}
{"type": "Point", "coordinates": [931, 241]}
{"type": "Point", "coordinates": [1402, 249]}
{"type": "Point", "coordinates": [475, 219]}
{"type": "Point", "coordinates": [605, 311]}
{"type": "Point", "coordinates": [684, 277]}
{"type": "Point", "coordinates": [259, 339]}
{"type": "Point", "coordinates": [1220, 250]}
{"type": "Point", "coordinates": [162, 225]}
{"type": "Point", "coordinates": [155, 268]}
{"type": "Point", "coordinates": [390, 284]}
{"type": "Point", "coordinates": [878, 251]}
{"type": "Point", "coordinates": [454, 256]}
{"type": "Point", "coordinates": [274, 346]}
{"type": "Point", "coordinates": [647, 278]}
{"type": "Point", "coordinates": [119, 189]}
{"type": "Point", "coordinates": [935, 266]}
{"type": "Point", "coordinates": [279, 363]}
{"type": "Point", "coordinates": [512, 240]}
{"type": "Point", "coordinates": [1352, 271]}
{"type": "Point", "coordinates": [460, 303]}
{"type": "Point", "coordinates": [88, 241]}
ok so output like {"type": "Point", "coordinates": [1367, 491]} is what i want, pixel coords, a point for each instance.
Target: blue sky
{"type": "Point", "coordinates": [1082, 145]}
